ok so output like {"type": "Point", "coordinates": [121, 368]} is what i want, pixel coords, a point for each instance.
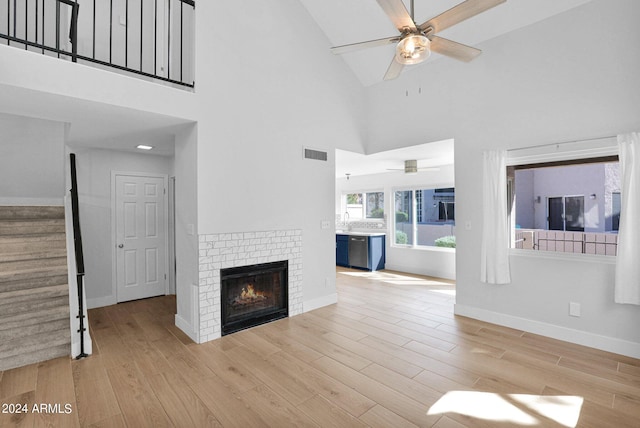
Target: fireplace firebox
{"type": "Point", "coordinates": [253, 295]}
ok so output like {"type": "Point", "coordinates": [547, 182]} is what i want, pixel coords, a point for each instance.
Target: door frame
{"type": "Point", "coordinates": [114, 240]}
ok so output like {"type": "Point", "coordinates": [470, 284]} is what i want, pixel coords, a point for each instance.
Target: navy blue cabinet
{"type": "Point", "coordinates": [342, 250]}
{"type": "Point", "coordinates": [361, 251]}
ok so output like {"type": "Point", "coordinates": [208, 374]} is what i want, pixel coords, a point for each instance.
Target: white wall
{"type": "Point", "coordinates": [94, 168]}
{"type": "Point", "coordinates": [546, 83]}
{"type": "Point", "coordinates": [439, 262]}
{"type": "Point", "coordinates": [263, 96]}
{"type": "Point", "coordinates": [186, 232]}
{"type": "Point", "coordinates": [32, 161]}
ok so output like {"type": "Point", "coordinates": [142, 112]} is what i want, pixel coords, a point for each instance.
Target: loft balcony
{"type": "Point", "coordinates": [149, 39]}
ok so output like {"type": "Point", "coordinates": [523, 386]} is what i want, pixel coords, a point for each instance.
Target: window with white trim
{"type": "Point", "coordinates": [424, 217]}
{"type": "Point", "coordinates": [565, 201]}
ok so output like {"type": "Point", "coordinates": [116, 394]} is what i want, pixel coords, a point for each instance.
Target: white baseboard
{"type": "Point", "coordinates": [186, 328]}
{"type": "Point", "coordinates": [604, 343]}
{"type": "Point", "coordinates": [320, 302]}
{"type": "Point", "coordinates": [100, 302]}
{"type": "Point", "coordinates": [426, 272]}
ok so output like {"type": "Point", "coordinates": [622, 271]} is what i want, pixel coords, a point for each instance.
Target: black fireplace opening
{"type": "Point", "coordinates": [253, 295]}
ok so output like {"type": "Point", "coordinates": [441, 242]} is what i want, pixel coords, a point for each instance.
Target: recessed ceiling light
{"type": "Point", "coordinates": [144, 147]}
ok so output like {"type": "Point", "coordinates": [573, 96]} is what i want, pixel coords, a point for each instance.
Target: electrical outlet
{"type": "Point", "coordinates": [325, 224]}
{"type": "Point", "coordinates": [574, 309]}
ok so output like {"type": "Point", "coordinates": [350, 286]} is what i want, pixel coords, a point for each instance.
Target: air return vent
{"type": "Point", "coordinates": [315, 154]}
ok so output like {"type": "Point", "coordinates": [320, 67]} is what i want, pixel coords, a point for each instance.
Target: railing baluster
{"type": "Point", "coordinates": [110, 31]}
{"type": "Point", "coordinates": [94, 30]}
{"type": "Point", "coordinates": [26, 23]}
{"type": "Point", "coordinates": [126, 33]}
{"type": "Point", "coordinates": [169, 40]}
{"type": "Point", "coordinates": [141, 32]}
{"type": "Point", "coordinates": [58, 28]}
{"type": "Point", "coordinates": [36, 16]}
{"type": "Point", "coordinates": [155, 37]}
{"type": "Point", "coordinates": [181, 36]}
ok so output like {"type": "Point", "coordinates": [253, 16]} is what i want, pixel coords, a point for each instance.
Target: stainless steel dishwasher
{"type": "Point", "coordinates": [359, 252]}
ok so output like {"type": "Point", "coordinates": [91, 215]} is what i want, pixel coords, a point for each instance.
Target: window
{"type": "Point", "coordinates": [360, 206]}
{"type": "Point", "coordinates": [425, 217]}
{"type": "Point", "coordinates": [568, 206]}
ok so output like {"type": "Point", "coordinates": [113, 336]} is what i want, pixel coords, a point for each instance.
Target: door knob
{"type": "Point", "coordinates": [120, 245]}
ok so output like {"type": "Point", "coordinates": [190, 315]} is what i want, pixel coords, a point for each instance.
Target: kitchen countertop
{"type": "Point", "coordinates": [360, 233]}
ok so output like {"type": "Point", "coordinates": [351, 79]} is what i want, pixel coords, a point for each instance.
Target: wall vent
{"type": "Point", "coordinates": [315, 154]}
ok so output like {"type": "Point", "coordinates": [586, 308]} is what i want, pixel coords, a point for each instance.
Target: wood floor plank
{"type": "Point", "coordinates": [380, 417]}
{"type": "Point", "coordinates": [330, 388]}
{"type": "Point", "coordinates": [228, 407]}
{"type": "Point", "coordinates": [326, 414]}
{"type": "Point", "coordinates": [21, 417]}
{"type": "Point", "coordinates": [139, 405]}
{"type": "Point", "coordinates": [181, 404]}
{"type": "Point", "coordinates": [402, 367]}
{"type": "Point", "coordinates": [57, 393]}
{"type": "Point", "coordinates": [389, 353]}
{"type": "Point", "coordinates": [95, 398]}
{"type": "Point", "coordinates": [389, 398]}
{"type": "Point", "coordinates": [234, 375]}
{"type": "Point", "coordinates": [19, 380]}
{"type": "Point", "coordinates": [276, 411]}
{"type": "Point", "coordinates": [292, 388]}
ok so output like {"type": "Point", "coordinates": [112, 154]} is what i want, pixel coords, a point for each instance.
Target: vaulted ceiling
{"type": "Point", "coordinates": [352, 21]}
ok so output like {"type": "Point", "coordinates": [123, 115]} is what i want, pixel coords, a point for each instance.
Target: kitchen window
{"type": "Point", "coordinates": [364, 206]}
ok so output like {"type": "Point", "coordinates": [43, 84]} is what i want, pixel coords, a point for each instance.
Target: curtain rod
{"type": "Point", "coordinates": [585, 140]}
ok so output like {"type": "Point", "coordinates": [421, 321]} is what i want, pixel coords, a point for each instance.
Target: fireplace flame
{"type": "Point", "coordinates": [249, 295]}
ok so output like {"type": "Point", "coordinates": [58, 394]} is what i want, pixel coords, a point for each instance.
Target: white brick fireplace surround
{"type": "Point", "coordinates": [226, 250]}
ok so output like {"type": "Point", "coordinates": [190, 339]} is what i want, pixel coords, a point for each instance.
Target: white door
{"type": "Point", "coordinates": [141, 237]}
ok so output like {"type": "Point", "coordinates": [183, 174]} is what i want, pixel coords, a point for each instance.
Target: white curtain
{"type": "Point", "coordinates": [627, 280]}
{"type": "Point", "coordinates": [495, 231]}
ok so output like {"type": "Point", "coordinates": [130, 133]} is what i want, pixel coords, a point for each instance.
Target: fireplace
{"type": "Point", "coordinates": [253, 295]}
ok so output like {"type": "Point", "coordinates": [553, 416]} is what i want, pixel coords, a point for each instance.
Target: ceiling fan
{"type": "Point", "coordinates": [415, 42]}
{"type": "Point", "coordinates": [411, 167]}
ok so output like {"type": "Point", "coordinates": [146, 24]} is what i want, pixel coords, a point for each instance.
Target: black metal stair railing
{"type": "Point", "coordinates": [150, 38]}
{"type": "Point", "coordinates": [77, 241]}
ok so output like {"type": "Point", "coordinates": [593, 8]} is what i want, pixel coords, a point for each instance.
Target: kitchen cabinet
{"type": "Point", "coordinates": [360, 250]}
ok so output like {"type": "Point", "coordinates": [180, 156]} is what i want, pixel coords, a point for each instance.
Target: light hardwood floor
{"type": "Point", "coordinates": [389, 354]}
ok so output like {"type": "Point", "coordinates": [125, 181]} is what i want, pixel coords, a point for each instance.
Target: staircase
{"type": "Point", "coordinates": [34, 291]}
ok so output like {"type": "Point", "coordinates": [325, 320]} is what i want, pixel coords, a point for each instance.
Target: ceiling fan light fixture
{"type": "Point", "coordinates": [413, 49]}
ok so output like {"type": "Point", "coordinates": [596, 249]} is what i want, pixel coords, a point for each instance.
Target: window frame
{"type": "Point", "coordinates": [364, 218]}
{"type": "Point", "coordinates": [597, 150]}
{"type": "Point", "coordinates": [414, 217]}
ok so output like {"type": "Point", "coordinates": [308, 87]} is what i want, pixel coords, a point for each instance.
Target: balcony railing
{"type": "Point", "coordinates": [605, 244]}
{"type": "Point", "coordinates": [150, 38]}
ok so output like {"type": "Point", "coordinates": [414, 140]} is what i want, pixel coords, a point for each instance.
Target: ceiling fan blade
{"type": "Point", "coordinates": [364, 45]}
{"type": "Point", "coordinates": [394, 70]}
{"type": "Point", "coordinates": [453, 49]}
{"type": "Point", "coordinates": [398, 14]}
{"type": "Point", "coordinates": [459, 13]}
